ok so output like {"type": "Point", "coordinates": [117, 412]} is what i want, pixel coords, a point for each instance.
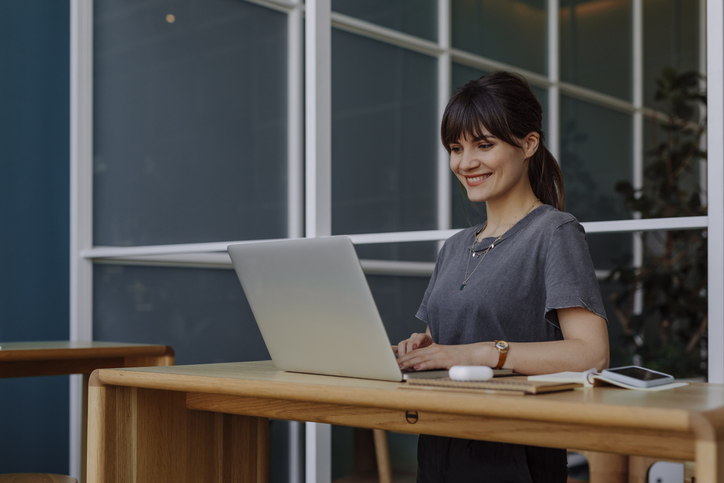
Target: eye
{"type": "Point", "coordinates": [455, 149]}
{"type": "Point", "coordinates": [485, 145]}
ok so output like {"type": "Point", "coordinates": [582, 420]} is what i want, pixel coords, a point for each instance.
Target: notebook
{"type": "Point", "coordinates": [508, 385]}
{"type": "Point", "coordinates": [314, 309]}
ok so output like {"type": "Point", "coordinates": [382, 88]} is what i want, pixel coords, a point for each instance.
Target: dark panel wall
{"type": "Point", "coordinates": [34, 221]}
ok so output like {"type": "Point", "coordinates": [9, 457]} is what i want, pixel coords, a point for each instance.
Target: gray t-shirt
{"type": "Point", "coordinates": [541, 264]}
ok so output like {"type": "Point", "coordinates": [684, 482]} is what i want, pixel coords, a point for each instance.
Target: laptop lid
{"type": "Point", "coordinates": [314, 309]}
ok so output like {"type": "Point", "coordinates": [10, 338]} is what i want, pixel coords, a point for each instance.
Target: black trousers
{"type": "Point", "coordinates": [452, 460]}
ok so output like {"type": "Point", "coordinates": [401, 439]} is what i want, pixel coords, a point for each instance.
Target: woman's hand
{"type": "Point", "coordinates": [415, 341]}
{"type": "Point", "coordinates": [436, 356]}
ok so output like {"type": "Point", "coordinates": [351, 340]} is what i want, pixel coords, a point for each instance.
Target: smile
{"type": "Point", "coordinates": [476, 180]}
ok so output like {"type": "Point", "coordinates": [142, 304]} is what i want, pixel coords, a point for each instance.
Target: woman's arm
{"type": "Point", "coordinates": [584, 346]}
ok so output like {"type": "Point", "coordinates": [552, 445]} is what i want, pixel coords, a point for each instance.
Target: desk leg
{"type": "Point", "coordinates": [709, 459]}
{"type": "Point", "coordinates": [84, 430]}
{"type": "Point", "coordinates": [606, 467]}
{"type": "Point", "coordinates": [148, 436]}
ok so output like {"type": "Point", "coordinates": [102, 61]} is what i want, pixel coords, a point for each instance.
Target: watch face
{"type": "Point", "coordinates": [501, 345]}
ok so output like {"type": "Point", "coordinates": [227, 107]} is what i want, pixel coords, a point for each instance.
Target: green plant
{"type": "Point", "coordinates": [668, 333]}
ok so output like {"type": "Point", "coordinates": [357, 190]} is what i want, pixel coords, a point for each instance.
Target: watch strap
{"type": "Point", "coordinates": [502, 353]}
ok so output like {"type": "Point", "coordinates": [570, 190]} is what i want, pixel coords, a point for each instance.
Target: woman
{"type": "Point", "coordinates": [518, 292]}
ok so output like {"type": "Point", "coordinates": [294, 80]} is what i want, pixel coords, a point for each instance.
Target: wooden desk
{"type": "Point", "coordinates": [55, 358]}
{"type": "Point", "coordinates": [210, 422]}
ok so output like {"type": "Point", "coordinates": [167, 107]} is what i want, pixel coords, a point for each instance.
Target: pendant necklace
{"type": "Point", "coordinates": [492, 245]}
{"type": "Point", "coordinates": [472, 254]}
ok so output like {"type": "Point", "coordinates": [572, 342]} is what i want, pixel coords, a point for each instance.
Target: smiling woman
{"type": "Point", "coordinates": [529, 298]}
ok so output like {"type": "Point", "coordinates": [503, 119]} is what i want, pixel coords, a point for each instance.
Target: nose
{"type": "Point", "coordinates": [469, 160]}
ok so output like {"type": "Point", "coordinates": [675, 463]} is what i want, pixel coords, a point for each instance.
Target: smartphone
{"type": "Point", "coordinates": [637, 376]}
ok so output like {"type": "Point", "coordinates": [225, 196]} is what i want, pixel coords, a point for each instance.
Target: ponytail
{"type": "Point", "coordinates": [546, 178]}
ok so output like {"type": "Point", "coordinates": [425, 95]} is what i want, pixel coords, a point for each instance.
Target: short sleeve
{"type": "Point", "coordinates": [422, 311]}
{"type": "Point", "coordinates": [570, 278]}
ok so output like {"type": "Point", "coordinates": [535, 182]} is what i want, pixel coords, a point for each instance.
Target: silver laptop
{"type": "Point", "coordinates": [314, 308]}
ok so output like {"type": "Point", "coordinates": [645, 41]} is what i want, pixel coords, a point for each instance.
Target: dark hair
{"type": "Point", "coordinates": [503, 103]}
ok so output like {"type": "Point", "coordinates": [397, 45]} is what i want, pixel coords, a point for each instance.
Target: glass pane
{"type": "Point", "coordinates": [671, 38]}
{"type": "Point", "coordinates": [189, 142]}
{"type": "Point", "coordinates": [616, 336]}
{"type": "Point", "coordinates": [595, 45]}
{"type": "Point", "coordinates": [596, 154]}
{"type": "Point", "coordinates": [464, 212]}
{"type": "Point", "coordinates": [398, 299]}
{"type": "Point", "coordinates": [669, 332]}
{"type": "Point", "coordinates": [462, 74]}
{"type": "Point", "coordinates": [609, 251]}
{"type": "Point", "coordinates": [509, 31]}
{"type": "Point", "coordinates": [414, 17]}
{"type": "Point", "coordinates": [202, 313]}
{"type": "Point", "coordinates": [674, 172]}
{"type": "Point", "coordinates": [384, 137]}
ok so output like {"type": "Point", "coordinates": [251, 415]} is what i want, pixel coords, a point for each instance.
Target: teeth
{"type": "Point", "coordinates": [479, 178]}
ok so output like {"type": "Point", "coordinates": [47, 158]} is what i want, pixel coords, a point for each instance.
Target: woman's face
{"type": "Point", "coordinates": [491, 169]}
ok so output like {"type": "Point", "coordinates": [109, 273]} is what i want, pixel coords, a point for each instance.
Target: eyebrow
{"type": "Point", "coordinates": [484, 137]}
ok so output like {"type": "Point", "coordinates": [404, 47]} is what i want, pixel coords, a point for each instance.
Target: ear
{"type": "Point", "coordinates": [530, 144]}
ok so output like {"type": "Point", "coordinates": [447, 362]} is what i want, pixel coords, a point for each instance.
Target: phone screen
{"type": "Point", "coordinates": [638, 373]}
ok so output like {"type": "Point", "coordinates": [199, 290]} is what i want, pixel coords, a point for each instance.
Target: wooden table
{"type": "Point", "coordinates": [209, 422]}
{"type": "Point", "coordinates": [62, 357]}
{"type": "Point", "coordinates": [54, 358]}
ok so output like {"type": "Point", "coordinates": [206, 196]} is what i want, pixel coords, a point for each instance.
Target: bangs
{"type": "Point", "coordinates": [471, 111]}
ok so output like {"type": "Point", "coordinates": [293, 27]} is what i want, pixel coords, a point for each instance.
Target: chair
{"type": "Point", "coordinates": [35, 478]}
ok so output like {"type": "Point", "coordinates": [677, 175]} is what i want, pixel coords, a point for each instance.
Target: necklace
{"type": "Point", "coordinates": [492, 245]}
{"type": "Point", "coordinates": [472, 254]}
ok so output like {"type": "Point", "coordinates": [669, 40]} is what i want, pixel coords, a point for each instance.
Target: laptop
{"type": "Point", "coordinates": [314, 309]}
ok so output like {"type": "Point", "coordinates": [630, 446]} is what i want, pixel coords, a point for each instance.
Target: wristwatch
{"type": "Point", "coordinates": [503, 349]}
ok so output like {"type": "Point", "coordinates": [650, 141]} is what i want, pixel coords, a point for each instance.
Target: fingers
{"type": "Point", "coordinates": [408, 345]}
{"type": "Point", "coordinates": [402, 348]}
{"type": "Point", "coordinates": [417, 341]}
{"type": "Point", "coordinates": [424, 340]}
{"type": "Point", "coordinates": [425, 358]}
{"type": "Point", "coordinates": [435, 356]}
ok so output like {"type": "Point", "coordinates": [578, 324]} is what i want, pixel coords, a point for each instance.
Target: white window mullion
{"type": "Point", "coordinates": [715, 191]}
{"type": "Point", "coordinates": [444, 68]}
{"type": "Point", "coordinates": [318, 105]}
{"type": "Point", "coordinates": [554, 94]}
{"type": "Point", "coordinates": [295, 173]}
{"type": "Point", "coordinates": [638, 93]}
{"type": "Point", "coordinates": [295, 124]}
{"type": "Point", "coordinates": [81, 203]}
{"type": "Point", "coordinates": [318, 208]}
{"type": "Point", "coordinates": [638, 128]}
